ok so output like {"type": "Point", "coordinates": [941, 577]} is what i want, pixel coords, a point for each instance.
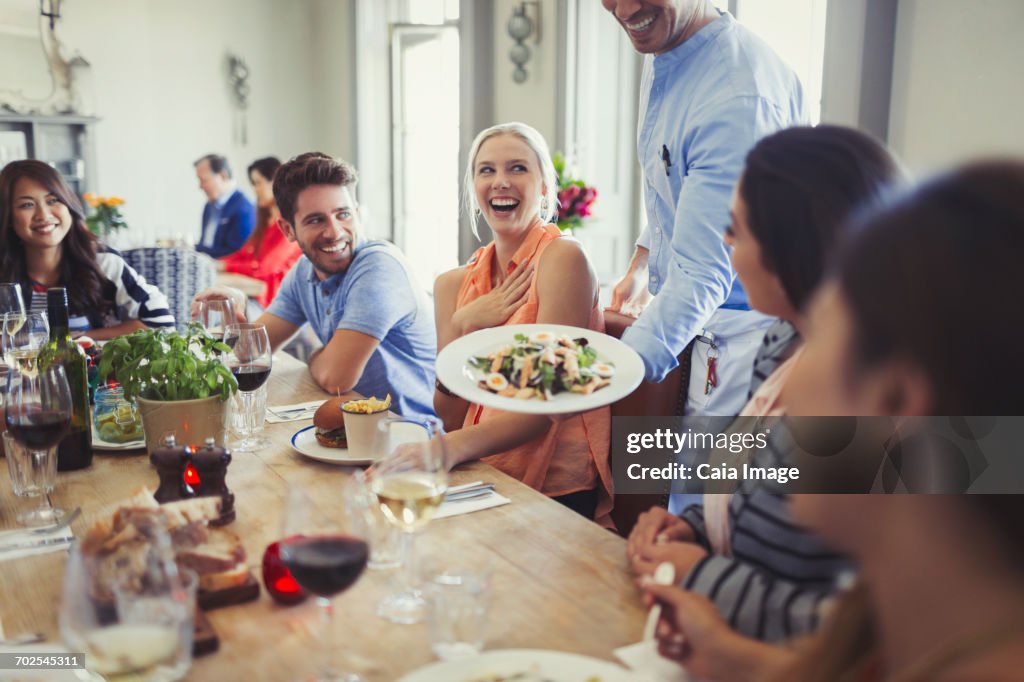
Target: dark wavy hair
{"type": "Point", "coordinates": [78, 250]}
{"type": "Point", "coordinates": [800, 185]}
{"type": "Point", "coordinates": [931, 279]}
{"type": "Point", "coordinates": [266, 167]}
{"type": "Point", "coordinates": [305, 170]}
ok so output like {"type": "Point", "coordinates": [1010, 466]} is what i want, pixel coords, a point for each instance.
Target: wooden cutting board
{"type": "Point", "coordinates": [247, 591]}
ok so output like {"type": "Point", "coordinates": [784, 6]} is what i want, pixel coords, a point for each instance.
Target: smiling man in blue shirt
{"type": "Point", "coordinates": [359, 296]}
{"type": "Point", "coordinates": [710, 90]}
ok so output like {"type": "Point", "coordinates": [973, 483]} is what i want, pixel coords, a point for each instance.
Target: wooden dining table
{"type": "Point", "coordinates": [559, 581]}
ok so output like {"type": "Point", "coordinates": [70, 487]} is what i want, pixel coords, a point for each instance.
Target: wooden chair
{"type": "Point", "coordinates": [650, 399]}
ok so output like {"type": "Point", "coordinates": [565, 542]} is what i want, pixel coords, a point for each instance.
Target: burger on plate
{"type": "Point", "coordinates": [330, 424]}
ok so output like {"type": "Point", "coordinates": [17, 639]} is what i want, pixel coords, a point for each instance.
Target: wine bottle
{"type": "Point", "coordinates": [75, 449]}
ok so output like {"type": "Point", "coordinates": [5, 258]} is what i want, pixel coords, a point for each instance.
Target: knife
{"type": "Point", "coordinates": [473, 491]}
{"type": "Point", "coordinates": [33, 544]}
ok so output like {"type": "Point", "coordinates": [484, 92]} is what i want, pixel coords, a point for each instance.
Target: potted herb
{"type": "Point", "coordinates": [177, 380]}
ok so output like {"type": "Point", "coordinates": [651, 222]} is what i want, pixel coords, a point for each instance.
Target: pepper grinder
{"type": "Point", "coordinates": [171, 462]}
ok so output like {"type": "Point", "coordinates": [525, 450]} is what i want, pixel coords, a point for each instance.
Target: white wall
{"type": "Point", "coordinates": [957, 87]}
{"type": "Point", "coordinates": [161, 92]}
{"type": "Point", "coordinates": [535, 100]}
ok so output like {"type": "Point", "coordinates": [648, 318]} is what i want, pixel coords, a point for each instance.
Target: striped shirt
{"type": "Point", "coordinates": [132, 297]}
{"type": "Point", "coordinates": [779, 574]}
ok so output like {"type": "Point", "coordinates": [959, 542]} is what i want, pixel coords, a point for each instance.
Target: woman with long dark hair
{"type": "Point", "coordinates": [267, 255]}
{"type": "Point", "coordinates": [46, 243]}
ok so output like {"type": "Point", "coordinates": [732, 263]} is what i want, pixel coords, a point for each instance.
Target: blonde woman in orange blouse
{"type": "Point", "coordinates": [529, 273]}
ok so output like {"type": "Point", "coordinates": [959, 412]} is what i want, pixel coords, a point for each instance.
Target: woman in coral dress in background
{"type": "Point", "coordinates": [529, 273]}
{"type": "Point", "coordinates": [267, 255]}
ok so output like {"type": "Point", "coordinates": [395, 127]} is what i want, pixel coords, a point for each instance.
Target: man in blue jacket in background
{"type": "Point", "coordinates": [228, 216]}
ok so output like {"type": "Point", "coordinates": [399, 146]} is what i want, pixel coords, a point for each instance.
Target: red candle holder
{"type": "Point", "coordinates": [278, 579]}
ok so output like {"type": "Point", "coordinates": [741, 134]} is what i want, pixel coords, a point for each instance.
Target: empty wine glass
{"type": "Point", "coordinates": [410, 481]}
{"type": "Point", "coordinates": [325, 548]}
{"type": "Point", "coordinates": [10, 302]}
{"type": "Point", "coordinates": [249, 360]}
{"type": "Point", "coordinates": [10, 298]}
{"type": "Point", "coordinates": [23, 337]}
{"type": "Point", "coordinates": [38, 414]}
{"type": "Point", "coordinates": [135, 623]}
{"type": "Point", "coordinates": [216, 316]}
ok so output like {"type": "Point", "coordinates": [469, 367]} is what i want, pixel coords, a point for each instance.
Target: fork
{"type": "Point", "coordinates": [65, 522]}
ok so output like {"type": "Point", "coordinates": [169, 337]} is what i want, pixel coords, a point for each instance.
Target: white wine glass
{"type": "Point", "coordinates": [135, 623]}
{"type": "Point", "coordinates": [12, 303]}
{"type": "Point", "coordinates": [325, 548]}
{"type": "Point", "coordinates": [410, 481]}
{"type": "Point", "coordinates": [250, 361]}
{"type": "Point", "coordinates": [24, 335]}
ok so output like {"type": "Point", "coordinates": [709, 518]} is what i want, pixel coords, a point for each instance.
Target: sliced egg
{"type": "Point", "coordinates": [603, 369]}
{"type": "Point", "coordinates": [496, 382]}
{"type": "Point", "coordinates": [542, 338]}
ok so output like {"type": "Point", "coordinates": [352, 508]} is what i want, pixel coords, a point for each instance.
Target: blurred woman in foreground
{"type": "Point", "coordinates": [911, 324]}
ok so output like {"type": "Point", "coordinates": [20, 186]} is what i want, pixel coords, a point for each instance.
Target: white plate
{"type": "Point", "coordinates": [106, 446]}
{"type": "Point", "coordinates": [556, 666]}
{"type": "Point", "coordinates": [455, 372]}
{"type": "Point", "coordinates": [38, 675]}
{"type": "Point", "coordinates": [305, 442]}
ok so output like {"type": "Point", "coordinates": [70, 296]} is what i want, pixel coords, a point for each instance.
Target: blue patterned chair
{"type": "Point", "coordinates": [179, 273]}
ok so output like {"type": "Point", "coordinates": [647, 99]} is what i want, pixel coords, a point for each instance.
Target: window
{"type": "Point", "coordinates": [425, 135]}
{"type": "Point", "coordinates": [796, 31]}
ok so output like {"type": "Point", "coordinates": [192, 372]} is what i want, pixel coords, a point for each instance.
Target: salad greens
{"type": "Point", "coordinates": [541, 366]}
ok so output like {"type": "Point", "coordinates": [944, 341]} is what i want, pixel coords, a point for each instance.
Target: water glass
{"type": "Point", "coordinates": [459, 600]}
{"type": "Point", "coordinates": [250, 360]}
{"type": "Point", "coordinates": [30, 476]}
{"type": "Point", "coordinates": [216, 316]}
{"type": "Point", "coordinates": [385, 538]}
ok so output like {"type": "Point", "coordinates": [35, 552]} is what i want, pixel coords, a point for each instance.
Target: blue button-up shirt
{"type": "Point", "coordinates": [703, 105]}
{"type": "Point", "coordinates": [378, 296]}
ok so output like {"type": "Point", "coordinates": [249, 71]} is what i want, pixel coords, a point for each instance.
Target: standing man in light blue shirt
{"type": "Point", "coordinates": [710, 90]}
{"type": "Point", "coordinates": [359, 296]}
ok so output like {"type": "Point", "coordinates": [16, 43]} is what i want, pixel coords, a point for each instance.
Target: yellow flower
{"type": "Point", "coordinates": [91, 199]}
{"type": "Point", "coordinates": [114, 201]}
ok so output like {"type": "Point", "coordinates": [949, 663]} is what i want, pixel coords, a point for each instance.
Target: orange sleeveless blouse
{"type": "Point", "coordinates": [573, 455]}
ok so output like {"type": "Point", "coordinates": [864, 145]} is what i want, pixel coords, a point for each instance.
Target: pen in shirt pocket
{"type": "Point", "coordinates": [666, 158]}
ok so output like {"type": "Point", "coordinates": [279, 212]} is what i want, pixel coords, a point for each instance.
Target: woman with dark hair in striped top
{"type": "Point", "coordinates": [766, 574]}
{"type": "Point", "coordinates": [45, 243]}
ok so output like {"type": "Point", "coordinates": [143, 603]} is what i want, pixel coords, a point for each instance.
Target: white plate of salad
{"type": "Point", "coordinates": [539, 368]}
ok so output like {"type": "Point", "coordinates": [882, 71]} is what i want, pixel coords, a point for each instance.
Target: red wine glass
{"type": "Point", "coordinates": [325, 547]}
{"type": "Point", "coordinates": [38, 415]}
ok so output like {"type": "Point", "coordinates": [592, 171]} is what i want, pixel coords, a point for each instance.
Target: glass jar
{"type": "Point", "coordinates": [116, 420]}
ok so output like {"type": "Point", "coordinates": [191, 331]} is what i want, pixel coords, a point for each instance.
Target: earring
{"type": "Point", "coordinates": [544, 204]}
{"type": "Point", "coordinates": [477, 213]}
